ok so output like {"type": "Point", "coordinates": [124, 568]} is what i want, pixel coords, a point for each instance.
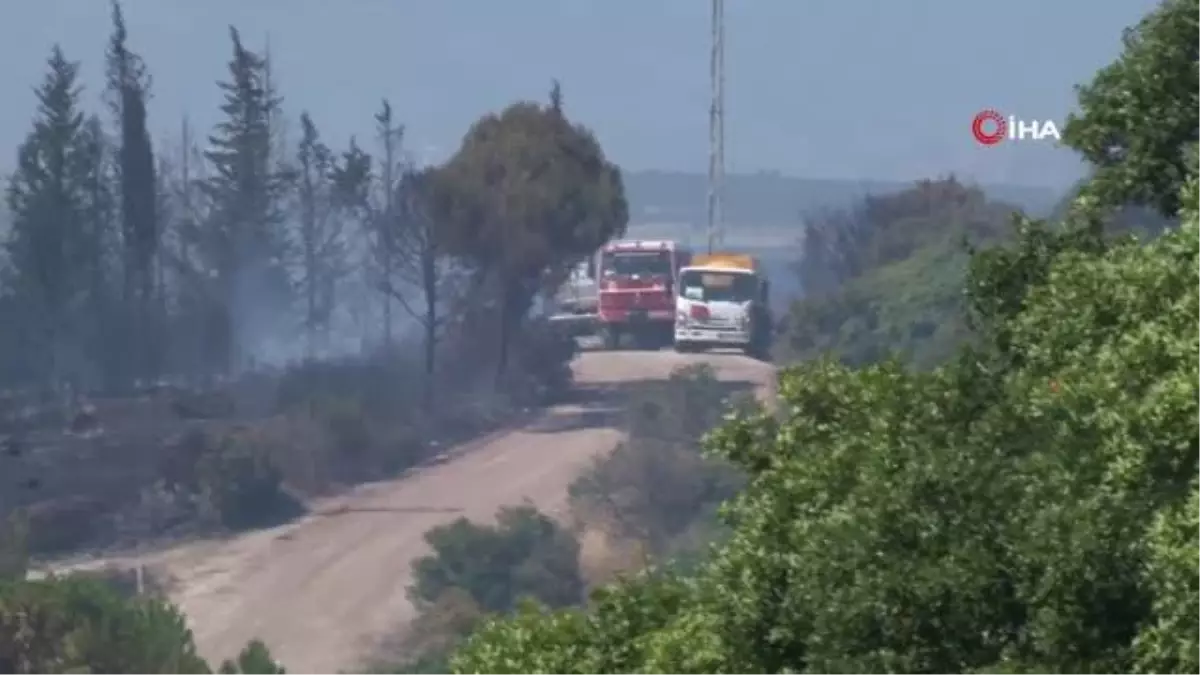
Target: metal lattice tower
{"type": "Point", "coordinates": [716, 129]}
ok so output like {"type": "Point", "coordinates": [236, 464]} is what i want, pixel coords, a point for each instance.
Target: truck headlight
{"type": "Point", "coordinates": [681, 318]}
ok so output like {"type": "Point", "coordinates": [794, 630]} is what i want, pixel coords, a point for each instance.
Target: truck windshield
{"type": "Point", "coordinates": [636, 263]}
{"type": "Point", "coordinates": [706, 286]}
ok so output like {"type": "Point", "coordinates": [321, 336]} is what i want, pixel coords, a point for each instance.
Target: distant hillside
{"type": "Point", "coordinates": [770, 198]}
{"type": "Point", "coordinates": [889, 277]}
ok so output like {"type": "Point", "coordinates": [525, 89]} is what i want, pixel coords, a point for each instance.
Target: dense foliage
{"type": "Point", "coordinates": [1022, 509]}
{"type": "Point", "coordinates": [654, 496]}
{"type": "Point", "coordinates": [656, 490]}
{"type": "Point", "coordinates": [1028, 505]}
{"type": "Point", "coordinates": [527, 193]}
{"type": "Point", "coordinates": [140, 292]}
{"type": "Point", "coordinates": [1135, 143]}
{"type": "Point", "coordinates": [886, 276]}
{"type": "Point", "coordinates": [524, 554]}
{"type": "Point", "coordinates": [123, 266]}
{"type": "Point", "coordinates": [84, 625]}
{"type": "Point", "coordinates": [137, 280]}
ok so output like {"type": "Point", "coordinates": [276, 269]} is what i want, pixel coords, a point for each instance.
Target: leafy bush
{"type": "Point", "coordinates": [254, 658]}
{"type": "Point", "coordinates": [655, 487]}
{"type": "Point", "coordinates": [651, 493]}
{"type": "Point", "coordinates": [543, 357]}
{"type": "Point", "coordinates": [366, 411]}
{"type": "Point", "coordinates": [83, 625]}
{"type": "Point", "coordinates": [525, 553]}
{"type": "Point", "coordinates": [615, 634]}
{"type": "Point", "coordinates": [886, 277]}
{"type": "Point", "coordinates": [1023, 509]}
{"type": "Point", "coordinates": [433, 663]}
{"type": "Point", "coordinates": [243, 486]}
{"type": "Point", "coordinates": [476, 570]}
{"type": "Point", "coordinates": [912, 308]}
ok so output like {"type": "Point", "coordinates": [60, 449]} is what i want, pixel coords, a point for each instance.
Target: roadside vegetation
{"type": "Point", "coordinates": [885, 277]}
{"type": "Point", "coordinates": [194, 341]}
{"type": "Point", "coordinates": [201, 341]}
{"type": "Point", "coordinates": [982, 460]}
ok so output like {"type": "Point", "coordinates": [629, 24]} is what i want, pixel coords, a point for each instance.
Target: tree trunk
{"type": "Point", "coordinates": [429, 279]}
{"type": "Point", "coordinates": [507, 307]}
{"type": "Point", "coordinates": [387, 298]}
{"type": "Point", "coordinates": [430, 357]}
{"type": "Point", "coordinates": [310, 320]}
{"type": "Point", "coordinates": [310, 287]}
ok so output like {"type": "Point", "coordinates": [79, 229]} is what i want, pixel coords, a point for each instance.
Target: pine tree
{"type": "Point", "coordinates": [383, 245]}
{"type": "Point", "coordinates": [421, 265]}
{"type": "Point", "coordinates": [354, 181]}
{"type": "Point", "coordinates": [190, 283]}
{"type": "Point", "coordinates": [321, 235]}
{"type": "Point", "coordinates": [54, 246]}
{"type": "Point", "coordinates": [128, 89]}
{"type": "Point", "coordinates": [245, 246]}
{"type": "Point", "coordinates": [556, 99]}
{"type": "Point", "coordinates": [103, 341]}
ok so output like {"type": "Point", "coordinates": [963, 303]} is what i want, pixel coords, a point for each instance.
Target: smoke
{"type": "Point", "coordinates": [270, 330]}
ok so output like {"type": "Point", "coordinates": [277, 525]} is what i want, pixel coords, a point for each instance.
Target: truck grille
{"type": "Point", "coordinates": [625, 300]}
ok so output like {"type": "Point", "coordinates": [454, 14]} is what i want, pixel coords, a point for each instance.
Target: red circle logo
{"type": "Point", "coordinates": [980, 127]}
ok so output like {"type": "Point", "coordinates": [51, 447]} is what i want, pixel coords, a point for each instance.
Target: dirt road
{"type": "Point", "coordinates": [321, 591]}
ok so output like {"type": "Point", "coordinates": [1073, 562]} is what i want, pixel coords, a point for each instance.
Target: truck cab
{"type": "Point", "coordinates": [722, 301]}
{"type": "Point", "coordinates": [636, 290]}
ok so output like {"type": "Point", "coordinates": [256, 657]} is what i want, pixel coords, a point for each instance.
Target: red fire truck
{"type": "Point", "coordinates": [636, 286]}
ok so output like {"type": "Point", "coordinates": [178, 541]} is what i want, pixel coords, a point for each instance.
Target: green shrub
{"type": "Point", "coordinates": [525, 553]}
{"type": "Point", "coordinates": [253, 659]}
{"type": "Point", "coordinates": [656, 488]}
{"type": "Point", "coordinates": [1030, 507]}
{"type": "Point", "coordinates": [83, 624]}
{"type": "Point", "coordinates": [426, 664]}
{"type": "Point", "coordinates": [886, 277]}
{"type": "Point", "coordinates": [63, 625]}
{"type": "Point", "coordinates": [241, 486]}
{"type": "Point", "coordinates": [348, 425]}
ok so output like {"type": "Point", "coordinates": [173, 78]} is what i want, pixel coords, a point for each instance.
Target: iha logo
{"type": "Point", "coordinates": [990, 127]}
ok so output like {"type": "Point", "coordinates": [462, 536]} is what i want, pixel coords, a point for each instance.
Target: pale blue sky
{"type": "Point", "coordinates": [818, 88]}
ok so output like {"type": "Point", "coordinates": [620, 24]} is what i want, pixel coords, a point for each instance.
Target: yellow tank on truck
{"type": "Point", "coordinates": [733, 261]}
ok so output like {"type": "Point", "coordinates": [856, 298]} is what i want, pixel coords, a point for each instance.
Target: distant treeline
{"type": "Point", "coordinates": [771, 198]}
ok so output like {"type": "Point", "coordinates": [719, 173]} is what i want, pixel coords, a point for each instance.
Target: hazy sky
{"type": "Point", "coordinates": [818, 88]}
